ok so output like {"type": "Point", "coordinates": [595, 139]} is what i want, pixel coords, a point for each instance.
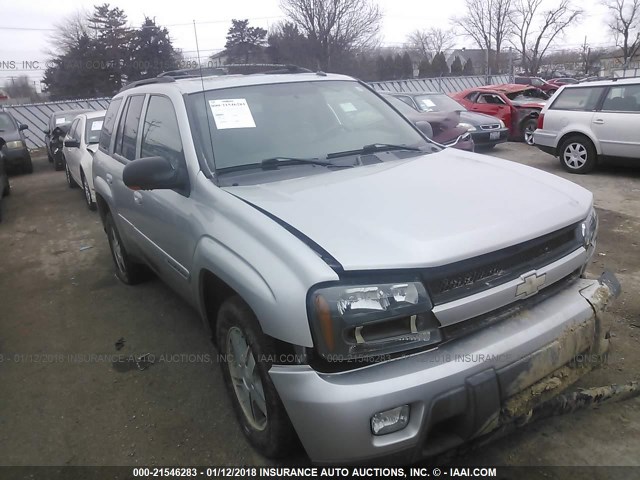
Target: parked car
{"type": "Point", "coordinates": [57, 129]}
{"type": "Point", "coordinates": [5, 188]}
{"type": "Point", "coordinates": [80, 144]}
{"type": "Point", "coordinates": [586, 123]}
{"type": "Point", "coordinates": [486, 131]}
{"type": "Point", "coordinates": [537, 82]}
{"type": "Point", "coordinates": [17, 154]}
{"type": "Point", "coordinates": [518, 106]}
{"type": "Point", "coordinates": [368, 292]}
{"type": "Point", "coordinates": [444, 127]}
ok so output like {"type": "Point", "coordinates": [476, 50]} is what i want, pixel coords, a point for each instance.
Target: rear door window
{"type": "Point", "coordinates": [109, 121]}
{"type": "Point", "coordinates": [622, 98]}
{"type": "Point", "coordinates": [578, 99]}
{"type": "Point", "coordinates": [127, 134]}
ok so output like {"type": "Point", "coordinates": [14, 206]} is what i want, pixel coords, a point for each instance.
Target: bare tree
{"type": "Point", "coordinates": [428, 43]}
{"type": "Point", "coordinates": [335, 26]}
{"type": "Point", "coordinates": [487, 23]}
{"type": "Point", "coordinates": [624, 23]}
{"type": "Point", "coordinates": [67, 33]}
{"type": "Point", "coordinates": [536, 29]}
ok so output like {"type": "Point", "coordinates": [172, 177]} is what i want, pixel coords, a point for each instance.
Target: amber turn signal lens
{"type": "Point", "coordinates": [326, 324]}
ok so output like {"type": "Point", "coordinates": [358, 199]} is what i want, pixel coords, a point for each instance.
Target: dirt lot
{"type": "Point", "coordinates": [63, 402]}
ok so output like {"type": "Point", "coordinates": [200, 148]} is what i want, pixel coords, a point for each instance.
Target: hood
{"type": "Point", "coordinates": [10, 135]}
{"type": "Point", "coordinates": [426, 211]}
{"type": "Point", "coordinates": [529, 102]}
{"type": "Point", "coordinates": [477, 119]}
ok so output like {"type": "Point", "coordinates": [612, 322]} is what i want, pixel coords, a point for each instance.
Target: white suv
{"type": "Point", "coordinates": [586, 123]}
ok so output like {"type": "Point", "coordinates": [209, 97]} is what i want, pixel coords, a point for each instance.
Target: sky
{"type": "Point", "coordinates": [26, 26]}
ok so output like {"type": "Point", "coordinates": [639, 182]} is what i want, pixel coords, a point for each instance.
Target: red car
{"type": "Point", "coordinates": [518, 106]}
{"type": "Point", "coordinates": [537, 82]}
{"type": "Point", "coordinates": [558, 82]}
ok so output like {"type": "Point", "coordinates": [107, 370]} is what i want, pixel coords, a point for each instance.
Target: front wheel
{"type": "Point", "coordinates": [528, 128]}
{"type": "Point", "coordinates": [246, 353]}
{"type": "Point", "coordinates": [127, 270]}
{"type": "Point", "coordinates": [70, 181]}
{"type": "Point", "coordinates": [28, 165]}
{"type": "Point", "coordinates": [91, 205]}
{"type": "Point", "coordinates": [578, 155]}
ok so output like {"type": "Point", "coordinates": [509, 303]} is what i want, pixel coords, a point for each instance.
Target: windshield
{"type": "Point", "coordinates": [6, 123]}
{"type": "Point", "coordinates": [92, 130]}
{"type": "Point", "coordinates": [438, 103]}
{"type": "Point", "coordinates": [249, 124]}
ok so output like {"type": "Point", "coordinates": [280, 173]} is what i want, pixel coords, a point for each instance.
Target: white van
{"type": "Point", "coordinates": [585, 123]}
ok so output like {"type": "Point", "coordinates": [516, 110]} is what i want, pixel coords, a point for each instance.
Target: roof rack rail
{"type": "Point", "coordinates": [147, 81]}
{"type": "Point", "coordinates": [193, 72]}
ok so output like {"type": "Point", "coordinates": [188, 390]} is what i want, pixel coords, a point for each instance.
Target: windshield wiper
{"type": "Point", "coordinates": [276, 161]}
{"type": "Point", "coordinates": [372, 148]}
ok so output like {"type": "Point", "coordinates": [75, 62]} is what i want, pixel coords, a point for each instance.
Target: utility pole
{"type": "Point", "coordinates": [511, 75]}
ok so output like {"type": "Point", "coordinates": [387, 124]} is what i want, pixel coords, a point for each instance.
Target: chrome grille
{"type": "Point", "coordinates": [492, 126]}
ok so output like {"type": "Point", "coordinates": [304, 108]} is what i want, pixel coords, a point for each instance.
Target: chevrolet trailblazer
{"type": "Point", "coordinates": [370, 293]}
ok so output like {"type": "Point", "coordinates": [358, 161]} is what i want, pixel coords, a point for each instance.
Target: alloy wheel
{"type": "Point", "coordinates": [245, 379]}
{"type": "Point", "coordinates": [575, 155]}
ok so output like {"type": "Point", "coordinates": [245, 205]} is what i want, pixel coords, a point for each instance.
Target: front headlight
{"type": "Point", "coordinates": [501, 124]}
{"type": "Point", "coordinates": [359, 321]}
{"type": "Point", "coordinates": [468, 126]}
{"type": "Point", "coordinates": [15, 144]}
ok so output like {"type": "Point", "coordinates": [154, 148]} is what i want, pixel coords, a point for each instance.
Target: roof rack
{"type": "Point", "coordinates": [173, 75]}
{"type": "Point", "coordinates": [148, 81]}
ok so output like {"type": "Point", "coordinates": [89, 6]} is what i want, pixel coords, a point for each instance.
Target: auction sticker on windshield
{"type": "Point", "coordinates": [95, 126]}
{"type": "Point", "coordinates": [231, 113]}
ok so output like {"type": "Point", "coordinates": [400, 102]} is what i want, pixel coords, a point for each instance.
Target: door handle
{"type": "Point", "coordinates": [598, 121]}
{"type": "Point", "coordinates": [109, 178]}
{"type": "Point", "coordinates": [137, 197]}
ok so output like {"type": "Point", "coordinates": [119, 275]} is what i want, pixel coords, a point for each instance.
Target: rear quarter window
{"type": "Point", "coordinates": [578, 99]}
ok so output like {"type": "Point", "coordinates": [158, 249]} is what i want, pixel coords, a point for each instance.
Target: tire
{"type": "Point", "coordinates": [59, 164]}
{"type": "Point", "coordinates": [91, 205]}
{"type": "Point", "coordinates": [7, 187]}
{"type": "Point", "coordinates": [27, 167]}
{"type": "Point", "coordinates": [528, 128]}
{"type": "Point", "coordinates": [70, 181]}
{"type": "Point", "coordinates": [261, 413]}
{"type": "Point", "coordinates": [578, 155]}
{"type": "Point", "coordinates": [128, 271]}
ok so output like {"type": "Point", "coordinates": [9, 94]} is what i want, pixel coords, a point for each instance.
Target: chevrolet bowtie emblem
{"type": "Point", "coordinates": [530, 284]}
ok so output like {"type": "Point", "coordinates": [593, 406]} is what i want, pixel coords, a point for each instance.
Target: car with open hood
{"type": "Point", "coordinates": [57, 128]}
{"type": "Point", "coordinates": [370, 293]}
{"type": "Point", "coordinates": [518, 106]}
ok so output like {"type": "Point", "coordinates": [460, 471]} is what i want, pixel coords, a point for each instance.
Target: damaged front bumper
{"type": "Point", "coordinates": [455, 393]}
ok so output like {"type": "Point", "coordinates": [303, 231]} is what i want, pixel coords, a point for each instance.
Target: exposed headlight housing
{"type": "Point", "coordinates": [15, 144]}
{"type": "Point", "coordinates": [467, 126]}
{"type": "Point", "coordinates": [589, 233]}
{"type": "Point", "coordinates": [365, 320]}
{"type": "Point", "coordinates": [501, 124]}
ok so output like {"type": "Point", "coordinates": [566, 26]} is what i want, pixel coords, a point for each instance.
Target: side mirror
{"type": "Point", "coordinates": [23, 126]}
{"type": "Point", "coordinates": [425, 127]}
{"type": "Point", "coordinates": [47, 131]}
{"type": "Point", "coordinates": [152, 173]}
{"type": "Point", "coordinates": [71, 143]}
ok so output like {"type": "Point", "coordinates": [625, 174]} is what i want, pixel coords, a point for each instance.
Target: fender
{"type": "Point", "coordinates": [573, 129]}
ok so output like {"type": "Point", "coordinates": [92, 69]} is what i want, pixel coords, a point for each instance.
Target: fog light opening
{"type": "Point", "coordinates": [390, 421]}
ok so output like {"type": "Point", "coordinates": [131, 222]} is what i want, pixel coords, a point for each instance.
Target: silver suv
{"type": "Point", "coordinates": [370, 293]}
{"type": "Point", "coordinates": [585, 123]}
